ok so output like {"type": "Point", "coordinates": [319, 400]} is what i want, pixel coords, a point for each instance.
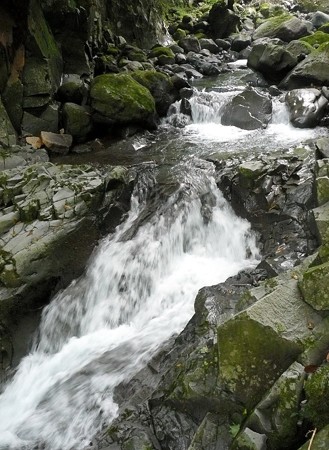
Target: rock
{"type": "Point", "coordinates": [72, 90]}
{"type": "Point", "coordinates": [34, 141]}
{"type": "Point", "coordinates": [7, 131]}
{"type": "Point", "coordinates": [314, 287]}
{"type": "Point", "coordinates": [316, 39]}
{"type": "Point", "coordinates": [273, 332]}
{"type": "Point", "coordinates": [240, 42]}
{"type": "Point", "coordinates": [210, 435]}
{"type": "Point", "coordinates": [271, 59]}
{"type": "Point", "coordinates": [249, 110]}
{"type": "Point", "coordinates": [164, 55]}
{"type": "Point", "coordinates": [190, 44]}
{"type": "Point", "coordinates": [306, 107]}
{"type": "Point", "coordinates": [209, 44]}
{"type": "Point", "coordinates": [277, 415]}
{"type": "Point", "coordinates": [13, 101]}
{"type": "Point", "coordinates": [285, 27]}
{"type": "Point", "coordinates": [223, 44]}
{"type": "Point", "coordinates": [250, 440]}
{"type": "Point", "coordinates": [160, 86]}
{"type": "Point", "coordinates": [322, 146]}
{"type": "Point", "coordinates": [222, 21]}
{"type": "Point", "coordinates": [204, 67]}
{"type": "Point", "coordinates": [319, 18]}
{"type": "Point", "coordinates": [56, 143]}
{"type": "Point", "coordinates": [119, 99]}
{"type": "Point", "coordinates": [317, 390]}
{"type": "Point", "coordinates": [46, 120]}
{"type": "Point", "coordinates": [311, 71]}
{"type": "Point", "coordinates": [77, 121]}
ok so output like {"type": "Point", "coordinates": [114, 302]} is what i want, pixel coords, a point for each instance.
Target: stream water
{"type": "Point", "coordinates": [140, 285]}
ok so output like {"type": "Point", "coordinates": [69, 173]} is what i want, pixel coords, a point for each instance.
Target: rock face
{"type": "Point", "coordinates": [306, 107]}
{"type": "Point", "coordinates": [249, 110]}
{"type": "Point", "coordinates": [119, 99]}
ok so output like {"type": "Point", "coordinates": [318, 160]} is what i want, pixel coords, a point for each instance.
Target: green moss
{"type": "Point", "coordinates": [317, 38]}
{"type": "Point", "coordinates": [315, 286]}
{"type": "Point", "coordinates": [158, 51]}
{"type": "Point", "coordinates": [251, 358]}
{"type": "Point", "coordinates": [121, 99]}
{"type": "Point", "coordinates": [317, 393]}
{"type": "Point", "coordinates": [314, 5]}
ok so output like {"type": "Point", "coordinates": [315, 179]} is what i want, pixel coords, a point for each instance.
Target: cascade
{"type": "Point", "coordinates": [137, 292]}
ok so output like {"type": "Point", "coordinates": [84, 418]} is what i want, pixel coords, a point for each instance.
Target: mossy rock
{"type": "Point", "coordinates": [313, 5]}
{"type": "Point", "coordinates": [77, 121]}
{"type": "Point", "coordinates": [160, 86]}
{"type": "Point", "coordinates": [315, 287]}
{"type": "Point", "coordinates": [317, 392]}
{"type": "Point", "coordinates": [316, 39]}
{"type": "Point", "coordinates": [159, 51]}
{"type": "Point", "coordinates": [120, 99]}
{"type": "Point", "coordinates": [285, 27]}
{"type": "Point", "coordinates": [298, 47]}
{"type": "Point", "coordinates": [324, 28]}
{"type": "Point", "coordinates": [320, 441]}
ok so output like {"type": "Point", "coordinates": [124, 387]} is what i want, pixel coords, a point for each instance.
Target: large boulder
{"type": "Point", "coordinates": [119, 99]}
{"type": "Point", "coordinates": [249, 110]}
{"type": "Point", "coordinates": [271, 59]}
{"type": "Point", "coordinates": [77, 121]}
{"type": "Point", "coordinates": [285, 27]}
{"type": "Point", "coordinates": [313, 70]}
{"type": "Point", "coordinates": [306, 107]}
{"type": "Point", "coordinates": [222, 20]}
{"type": "Point", "coordinates": [160, 86]}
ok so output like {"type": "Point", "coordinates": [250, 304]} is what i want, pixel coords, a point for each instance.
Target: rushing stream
{"type": "Point", "coordinates": [140, 285]}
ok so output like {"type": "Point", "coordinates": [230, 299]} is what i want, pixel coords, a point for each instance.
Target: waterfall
{"type": "Point", "coordinates": [138, 290]}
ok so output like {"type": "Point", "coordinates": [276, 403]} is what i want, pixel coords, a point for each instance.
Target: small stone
{"type": "Point", "coordinates": [34, 141]}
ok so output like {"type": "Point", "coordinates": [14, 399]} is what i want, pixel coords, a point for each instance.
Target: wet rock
{"type": "Point", "coordinates": [272, 59]}
{"type": "Point", "coordinates": [309, 72]}
{"type": "Point", "coordinates": [119, 99]}
{"type": "Point", "coordinates": [249, 110]}
{"type": "Point", "coordinates": [285, 27]}
{"type": "Point", "coordinates": [306, 107]}
{"type": "Point", "coordinates": [202, 66]}
{"type": "Point", "coordinates": [77, 121]}
{"type": "Point", "coordinates": [56, 143]}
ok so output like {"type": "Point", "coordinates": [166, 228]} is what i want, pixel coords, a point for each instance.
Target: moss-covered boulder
{"type": "Point", "coordinates": [259, 344]}
{"type": "Point", "coordinates": [313, 5]}
{"type": "Point", "coordinates": [119, 99]}
{"type": "Point", "coordinates": [160, 86]}
{"type": "Point", "coordinates": [315, 286]}
{"type": "Point", "coordinates": [77, 121]}
{"type": "Point", "coordinates": [316, 39]}
{"type": "Point", "coordinates": [285, 27]}
{"type": "Point", "coordinates": [313, 70]}
{"type": "Point", "coordinates": [317, 391]}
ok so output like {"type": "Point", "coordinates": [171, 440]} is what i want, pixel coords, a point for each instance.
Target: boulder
{"type": "Point", "coordinates": [47, 119]}
{"type": "Point", "coordinates": [250, 440]}
{"type": "Point", "coordinates": [320, 442]}
{"type": "Point", "coordinates": [119, 99]}
{"type": "Point", "coordinates": [313, 70]}
{"type": "Point", "coordinates": [56, 143]}
{"type": "Point", "coordinates": [222, 20]}
{"type": "Point", "coordinates": [209, 44]}
{"type": "Point", "coordinates": [306, 107]}
{"type": "Point", "coordinates": [317, 391]}
{"type": "Point", "coordinates": [160, 86]}
{"type": "Point", "coordinates": [77, 121]}
{"type": "Point", "coordinates": [285, 27]}
{"type": "Point", "coordinates": [316, 39]}
{"type": "Point", "coordinates": [319, 18]}
{"type": "Point", "coordinates": [249, 110]}
{"type": "Point", "coordinates": [190, 44]}
{"type": "Point", "coordinates": [72, 89]}
{"type": "Point", "coordinates": [314, 287]}
{"type": "Point", "coordinates": [271, 59]}
{"type": "Point", "coordinates": [240, 42]}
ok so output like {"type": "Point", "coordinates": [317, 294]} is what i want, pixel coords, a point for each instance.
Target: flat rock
{"type": "Point", "coordinates": [57, 143]}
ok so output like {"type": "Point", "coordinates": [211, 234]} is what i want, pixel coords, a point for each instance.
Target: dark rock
{"type": "Point", "coordinates": [222, 21]}
{"type": "Point", "coordinates": [221, 43]}
{"type": "Point", "coordinates": [249, 110]}
{"type": "Point", "coordinates": [72, 89]}
{"type": "Point", "coordinates": [46, 119]}
{"type": "Point", "coordinates": [180, 82]}
{"type": "Point", "coordinates": [319, 18]}
{"type": "Point", "coordinates": [190, 44]}
{"type": "Point", "coordinates": [77, 121]}
{"type": "Point", "coordinates": [240, 42]}
{"type": "Point", "coordinates": [210, 45]}
{"type": "Point", "coordinates": [306, 107]}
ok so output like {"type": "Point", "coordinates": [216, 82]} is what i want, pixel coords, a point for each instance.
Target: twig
{"type": "Point", "coordinates": [312, 438]}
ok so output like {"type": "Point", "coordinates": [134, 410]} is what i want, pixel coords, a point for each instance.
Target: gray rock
{"type": "Point", "coordinates": [250, 440]}
{"type": "Point", "coordinates": [319, 18]}
{"type": "Point", "coordinates": [77, 121]}
{"type": "Point", "coordinates": [33, 124]}
{"type": "Point", "coordinates": [287, 29]}
{"type": "Point", "coordinates": [306, 107]}
{"type": "Point", "coordinates": [209, 44]}
{"type": "Point", "coordinates": [190, 44]}
{"type": "Point", "coordinates": [249, 110]}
